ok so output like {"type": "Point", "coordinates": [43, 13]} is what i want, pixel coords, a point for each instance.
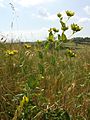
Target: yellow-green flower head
{"type": "Point", "coordinates": [75, 27]}
{"type": "Point", "coordinates": [55, 30]}
{"type": "Point", "coordinates": [70, 13]}
{"type": "Point", "coordinates": [11, 52]}
{"type": "Point", "coordinates": [59, 15]}
{"type": "Point", "coordinates": [42, 77]}
{"type": "Point", "coordinates": [50, 30]}
{"type": "Point", "coordinates": [15, 51]}
{"type": "Point", "coordinates": [70, 53]}
{"type": "Point", "coordinates": [24, 100]}
{"type": "Point", "coordinates": [27, 46]}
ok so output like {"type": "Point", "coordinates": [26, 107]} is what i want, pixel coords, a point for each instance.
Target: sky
{"type": "Point", "coordinates": [29, 20]}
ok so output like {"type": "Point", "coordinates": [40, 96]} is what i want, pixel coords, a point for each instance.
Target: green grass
{"type": "Point", "coordinates": [60, 79]}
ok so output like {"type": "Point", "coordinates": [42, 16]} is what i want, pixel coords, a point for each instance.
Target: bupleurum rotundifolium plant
{"type": "Point", "coordinates": [28, 109]}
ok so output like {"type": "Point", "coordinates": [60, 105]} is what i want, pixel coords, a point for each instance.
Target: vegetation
{"type": "Point", "coordinates": [81, 40]}
{"type": "Point", "coordinates": [46, 80]}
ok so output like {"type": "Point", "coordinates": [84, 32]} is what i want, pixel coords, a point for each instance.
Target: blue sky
{"type": "Point", "coordinates": [32, 18]}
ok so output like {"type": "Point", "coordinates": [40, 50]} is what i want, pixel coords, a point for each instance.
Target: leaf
{"type": "Point", "coordinates": [51, 37]}
{"type": "Point", "coordinates": [56, 114]}
{"type": "Point", "coordinates": [62, 23]}
{"type": "Point", "coordinates": [41, 68]}
{"type": "Point", "coordinates": [53, 60]}
{"type": "Point", "coordinates": [32, 82]}
{"type": "Point", "coordinates": [63, 37]}
{"type": "Point", "coordinates": [65, 115]}
{"type": "Point", "coordinates": [47, 45]}
{"type": "Point", "coordinates": [40, 54]}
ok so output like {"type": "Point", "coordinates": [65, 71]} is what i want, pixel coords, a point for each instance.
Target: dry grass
{"type": "Point", "coordinates": [67, 81]}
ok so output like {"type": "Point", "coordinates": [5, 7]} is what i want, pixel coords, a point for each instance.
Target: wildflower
{"type": "Point", "coordinates": [50, 30]}
{"type": "Point", "coordinates": [59, 15]}
{"type": "Point", "coordinates": [51, 36]}
{"type": "Point", "coordinates": [42, 77]}
{"type": "Point", "coordinates": [64, 27]}
{"type": "Point", "coordinates": [27, 46]}
{"type": "Point", "coordinates": [24, 100]}
{"type": "Point", "coordinates": [55, 30]}
{"type": "Point", "coordinates": [15, 51]}
{"type": "Point", "coordinates": [70, 13]}
{"type": "Point", "coordinates": [75, 27]}
{"type": "Point", "coordinates": [70, 53]}
{"type": "Point", "coordinates": [11, 52]}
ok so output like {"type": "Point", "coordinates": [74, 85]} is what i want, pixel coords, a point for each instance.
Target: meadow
{"type": "Point", "coordinates": [47, 80]}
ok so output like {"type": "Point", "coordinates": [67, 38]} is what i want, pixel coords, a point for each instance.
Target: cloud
{"type": "Point", "coordinates": [27, 3]}
{"type": "Point", "coordinates": [1, 3]}
{"type": "Point", "coordinates": [84, 20]}
{"type": "Point", "coordinates": [51, 17]}
{"type": "Point", "coordinates": [81, 20]}
{"type": "Point", "coordinates": [44, 14]}
{"type": "Point", "coordinates": [87, 9]}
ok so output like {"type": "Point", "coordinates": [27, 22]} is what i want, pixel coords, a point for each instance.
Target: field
{"type": "Point", "coordinates": [38, 83]}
